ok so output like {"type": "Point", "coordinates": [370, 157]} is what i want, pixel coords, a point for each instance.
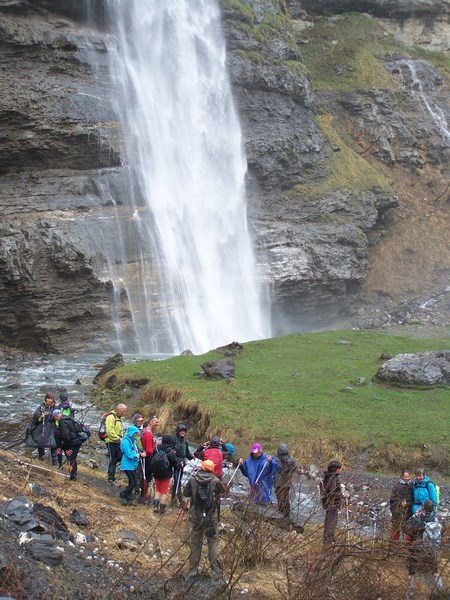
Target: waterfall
{"type": "Point", "coordinates": [434, 110]}
{"type": "Point", "coordinates": [183, 251]}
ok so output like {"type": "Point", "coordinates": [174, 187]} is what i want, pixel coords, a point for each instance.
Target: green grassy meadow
{"type": "Point", "coordinates": [308, 389]}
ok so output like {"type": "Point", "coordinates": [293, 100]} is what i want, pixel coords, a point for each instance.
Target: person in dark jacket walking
{"type": "Point", "coordinates": [203, 516]}
{"type": "Point", "coordinates": [283, 479]}
{"type": "Point", "coordinates": [400, 503]}
{"type": "Point", "coordinates": [70, 442]}
{"type": "Point", "coordinates": [184, 454]}
{"type": "Point", "coordinates": [162, 481]}
{"type": "Point", "coordinates": [332, 500]}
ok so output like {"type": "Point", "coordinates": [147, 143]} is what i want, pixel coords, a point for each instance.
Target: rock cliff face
{"type": "Point", "coordinates": [347, 162]}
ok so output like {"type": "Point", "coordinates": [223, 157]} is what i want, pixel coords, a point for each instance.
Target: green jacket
{"type": "Point", "coordinates": [114, 428]}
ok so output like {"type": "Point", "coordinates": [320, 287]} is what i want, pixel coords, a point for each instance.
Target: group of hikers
{"type": "Point", "coordinates": [147, 458]}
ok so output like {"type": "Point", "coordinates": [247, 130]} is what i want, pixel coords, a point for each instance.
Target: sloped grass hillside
{"type": "Point", "coordinates": [314, 391]}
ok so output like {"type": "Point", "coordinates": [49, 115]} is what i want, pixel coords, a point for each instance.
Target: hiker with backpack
{"type": "Point", "coordinates": [163, 464]}
{"type": "Point", "coordinates": [423, 489]}
{"type": "Point", "coordinates": [129, 463]}
{"type": "Point", "coordinates": [283, 479]}
{"type": "Point", "coordinates": [332, 498]}
{"type": "Point", "coordinates": [66, 408]}
{"type": "Point", "coordinates": [259, 468]}
{"type": "Point", "coordinates": [114, 435]}
{"type": "Point", "coordinates": [214, 449]}
{"type": "Point", "coordinates": [70, 440]}
{"type": "Point", "coordinates": [204, 490]}
{"type": "Point", "coordinates": [425, 532]}
{"type": "Point", "coordinates": [184, 454]}
{"type": "Point", "coordinates": [400, 502]}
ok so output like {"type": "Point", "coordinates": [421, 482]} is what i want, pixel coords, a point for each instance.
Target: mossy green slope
{"type": "Point", "coordinates": [304, 388]}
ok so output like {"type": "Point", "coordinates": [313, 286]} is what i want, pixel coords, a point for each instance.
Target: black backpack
{"type": "Point", "coordinates": [204, 503]}
{"type": "Point", "coordinates": [83, 431]}
{"type": "Point", "coordinates": [159, 465]}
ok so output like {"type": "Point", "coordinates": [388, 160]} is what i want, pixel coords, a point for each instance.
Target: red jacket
{"type": "Point", "coordinates": [148, 442]}
{"type": "Point", "coordinates": [216, 456]}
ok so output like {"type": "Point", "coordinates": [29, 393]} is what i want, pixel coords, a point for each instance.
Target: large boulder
{"type": "Point", "coordinates": [423, 368]}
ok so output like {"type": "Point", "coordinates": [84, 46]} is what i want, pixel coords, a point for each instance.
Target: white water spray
{"type": "Point", "coordinates": [193, 283]}
{"type": "Point", "coordinates": [434, 110]}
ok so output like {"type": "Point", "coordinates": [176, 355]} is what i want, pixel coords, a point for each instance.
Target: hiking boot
{"type": "Point", "coordinates": [112, 482]}
{"type": "Point", "coordinates": [55, 463]}
{"type": "Point", "coordinates": [124, 501]}
{"type": "Point", "coordinates": [156, 506]}
{"type": "Point", "coordinates": [162, 509]}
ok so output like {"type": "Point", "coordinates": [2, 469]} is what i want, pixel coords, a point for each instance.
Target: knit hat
{"type": "Point", "coordinates": [255, 448]}
{"type": "Point", "coordinates": [215, 441]}
{"type": "Point", "coordinates": [283, 450]}
{"type": "Point", "coordinates": [229, 447]}
{"type": "Point", "coordinates": [56, 412]}
{"type": "Point", "coordinates": [208, 465]}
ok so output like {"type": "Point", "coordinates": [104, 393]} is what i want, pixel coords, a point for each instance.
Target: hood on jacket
{"type": "Point", "coordinates": [180, 427]}
{"type": "Point", "coordinates": [168, 440]}
{"type": "Point", "coordinates": [283, 450]}
{"type": "Point", "coordinates": [132, 429]}
{"type": "Point", "coordinates": [204, 476]}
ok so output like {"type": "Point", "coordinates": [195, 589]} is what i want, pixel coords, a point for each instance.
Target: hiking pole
{"type": "Point", "coordinates": [232, 477]}
{"type": "Point", "coordinates": [181, 514]}
{"type": "Point", "coordinates": [347, 533]}
{"type": "Point", "coordinates": [257, 479]}
{"type": "Point", "coordinates": [25, 464]}
{"type": "Point", "coordinates": [144, 479]}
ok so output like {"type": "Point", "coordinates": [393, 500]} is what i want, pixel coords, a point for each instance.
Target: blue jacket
{"type": "Point", "coordinates": [252, 468]}
{"type": "Point", "coordinates": [130, 453]}
{"type": "Point", "coordinates": [423, 490]}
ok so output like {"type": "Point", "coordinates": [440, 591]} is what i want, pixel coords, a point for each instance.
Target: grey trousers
{"type": "Point", "coordinates": [196, 542]}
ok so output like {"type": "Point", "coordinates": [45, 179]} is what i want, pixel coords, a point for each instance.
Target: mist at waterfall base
{"type": "Point", "coordinates": [180, 252]}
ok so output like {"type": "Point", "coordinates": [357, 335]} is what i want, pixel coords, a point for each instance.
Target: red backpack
{"type": "Point", "coordinates": [216, 456]}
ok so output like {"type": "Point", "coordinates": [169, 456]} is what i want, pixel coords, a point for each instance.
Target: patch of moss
{"type": "Point", "coordinates": [342, 53]}
{"type": "Point", "coordinates": [252, 55]}
{"type": "Point", "coordinates": [242, 8]}
{"type": "Point", "coordinates": [347, 169]}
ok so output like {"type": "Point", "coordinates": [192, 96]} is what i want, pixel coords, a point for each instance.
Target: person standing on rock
{"type": "Point", "coordinates": [332, 498]}
{"type": "Point", "coordinates": [42, 428]}
{"type": "Point", "coordinates": [283, 479]}
{"type": "Point", "coordinates": [184, 454]}
{"type": "Point", "coordinates": [259, 469]}
{"type": "Point", "coordinates": [114, 435]}
{"type": "Point", "coordinates": [70, 441]}
{"type": "Point", "coordinates": [400, 503]}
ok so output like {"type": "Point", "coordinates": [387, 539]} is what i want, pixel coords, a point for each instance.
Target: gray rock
{"type": "Point", "coordinates": [224, 368]}
{"type": "Point", "coordinates": [425, 368]}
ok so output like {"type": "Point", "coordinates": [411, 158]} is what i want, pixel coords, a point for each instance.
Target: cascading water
{"type": "Point", "coordinates": [434, 110]}
{"type": "Point", "coordinates": [187, 260]}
